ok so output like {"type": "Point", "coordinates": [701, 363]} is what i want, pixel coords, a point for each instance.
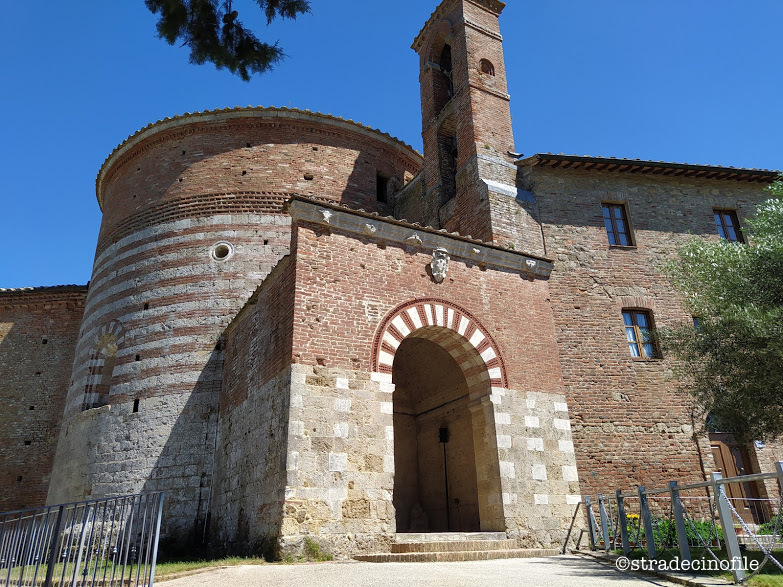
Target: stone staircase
{"type": "Point", "coordinates": [453, 547]}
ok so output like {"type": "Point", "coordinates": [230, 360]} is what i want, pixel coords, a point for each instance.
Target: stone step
{"type": "Point", "coordinates": [407, 537]}
{"type": "Point", "coordinates": [460, 556]}
{"type": "Point", "coordinates": [454, 546]}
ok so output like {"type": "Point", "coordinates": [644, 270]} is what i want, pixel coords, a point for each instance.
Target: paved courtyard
{"type": "Point", "coordinates": [539, 572]}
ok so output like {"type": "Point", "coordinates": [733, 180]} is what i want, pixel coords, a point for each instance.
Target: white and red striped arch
{"type": "Point", "coordinates": [449, 326]}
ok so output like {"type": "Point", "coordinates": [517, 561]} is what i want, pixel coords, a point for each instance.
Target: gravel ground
{"type": "Point", "coordinates": [558, 571]}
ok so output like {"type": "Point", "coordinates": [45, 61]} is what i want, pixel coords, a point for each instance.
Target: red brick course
{"type": "Point", "coordinates": [258, 341]}
{"type": "Point", "coordinates": [244, 162]}
{"type": "Point", "coordinates": [347, 285]}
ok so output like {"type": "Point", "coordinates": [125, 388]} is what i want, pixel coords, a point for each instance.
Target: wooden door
{"type": "Point", "coordinates": [732, 460]}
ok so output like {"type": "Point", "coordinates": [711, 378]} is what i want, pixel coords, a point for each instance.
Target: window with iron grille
{"type": "Point", "coordinates": [727, 223]}
{"type": "Point", "coordinates": [638, 332]}
{"type": "Point", "coordinates": [616, 221]}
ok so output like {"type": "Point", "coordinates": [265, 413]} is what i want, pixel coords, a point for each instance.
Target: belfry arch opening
{"type": "Point", "coordinates": [442, 431]}
{"type": "Point", "coordinates": [444, 83]}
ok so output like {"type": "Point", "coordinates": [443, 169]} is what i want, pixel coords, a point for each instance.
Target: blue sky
{"type": "Point", "coordinates": [696, 81]}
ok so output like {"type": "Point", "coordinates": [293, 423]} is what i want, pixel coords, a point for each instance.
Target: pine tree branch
{"type": "Point", "coordinates": [213, 32]}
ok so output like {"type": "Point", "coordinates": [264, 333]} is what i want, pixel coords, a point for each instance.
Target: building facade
{"type": "Point", "coordinates": [298, 327]}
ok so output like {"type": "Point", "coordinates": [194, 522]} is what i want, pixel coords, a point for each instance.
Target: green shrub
{"type": "Point", "coordinates": [769, 527]}
{"type": "Point", "coordinates": [313, 552]}
{"type": "Point", "coordinates": [665, 531]}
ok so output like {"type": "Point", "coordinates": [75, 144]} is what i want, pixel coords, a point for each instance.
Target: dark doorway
{"type": "Point", "coordinates": [431, 396]}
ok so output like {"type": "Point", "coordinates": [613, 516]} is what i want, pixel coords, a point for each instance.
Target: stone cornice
{"type": "Point", "coordinates": [492, 6]}
{"type": "Point", "coordinates": [391, 230]}
{"type": "Point", "coordinates": [498, 93]}
{"type": "Point", "coordinates": [484, 30]}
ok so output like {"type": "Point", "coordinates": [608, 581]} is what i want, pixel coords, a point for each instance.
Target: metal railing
{"type": "Point", "coordinates": [698, 515]}
{"type": "Point", "coordinates": [99, 543]}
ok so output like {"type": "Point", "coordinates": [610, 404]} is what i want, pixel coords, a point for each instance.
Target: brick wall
{"type": "Point", "coordinates": [631, 425]}
{"type": "Point", "coordinates": [38, 333]}
{"type": "Point", "coordinates": [172, 301]}
{"type": "Point", "coordinates": [347, 285]}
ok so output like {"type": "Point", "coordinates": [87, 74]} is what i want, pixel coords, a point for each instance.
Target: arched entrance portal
{"type": "Point", "coordinates": [435, 487]}
{"type": "Point", "coordinates": [444, 366]}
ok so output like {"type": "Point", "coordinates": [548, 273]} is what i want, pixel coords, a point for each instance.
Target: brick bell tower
{"type": "Point", "coordinates": [469, 176]}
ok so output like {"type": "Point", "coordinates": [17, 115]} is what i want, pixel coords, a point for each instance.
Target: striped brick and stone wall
{"type": "Point", "coordinates": [39, 328]}
{"type": "Point", "coordinates": [192, 224]}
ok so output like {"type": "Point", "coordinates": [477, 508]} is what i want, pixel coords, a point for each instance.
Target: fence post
{"type": "Point", "coordinates": [727, 523]}
{"type": "Point", "coordinates": [26, 544]}
{"type": "Point", "coordinates": [82, 537]}
{"type": "Point", "coordinates": [647, 521]}
{"type": "Point", "coordinates": [590, 527]}
{"type": "Point", "coordinates": [623, 522]}
{"type": "Point", "coordinates": [679, 522]}
{"type": "Point", "coordinates": [604, 520]}
{"type": "Point", "coordinates": [157, 537]}
{"type": "Point", "coordinates": [571, 528]}
{"type": "Point", "coordinates": [53, 546]}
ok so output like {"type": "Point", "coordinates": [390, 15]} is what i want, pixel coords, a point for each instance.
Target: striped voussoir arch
{"type": "Point", "coordinates": [451, 327]}
{"type": "Point", "coordinates": [114, 329]}
{"type": "Point", "coordinates": [108, 339]}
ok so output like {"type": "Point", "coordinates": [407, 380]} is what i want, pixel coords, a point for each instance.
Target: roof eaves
{"type": "Point", "coordinates": [44, 289]}
{"type": "Point", "coordinates": [614, 164]}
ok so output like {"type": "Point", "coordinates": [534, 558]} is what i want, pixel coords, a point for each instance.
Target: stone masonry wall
{"type": "Point", "coordinates": [340, 462]}
{"type": "Point", "coordinates": [768, 455]}
{"type": "Point", "coordinates": [168, 446]}
{"type": "Point", "coordinates": [250, 462]}
{"type": "Point", "coordinates": [166, 302]}
{"type": "Point", "coordinates": [631, 425]}
{"type": "Point", "coordinates": [38, 333]}
{"type": "Point", "coordinates": [537, 466]}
